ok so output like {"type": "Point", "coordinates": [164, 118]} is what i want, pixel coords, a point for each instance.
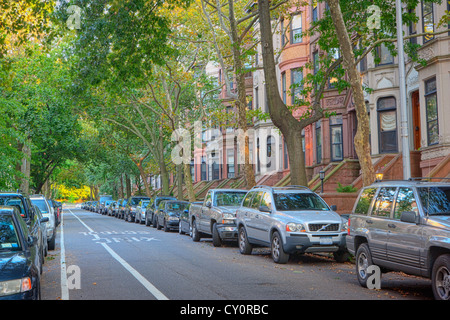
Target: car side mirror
{"type": "Point", "coordinates": [208, 204]}
{"type": "Point", "coordinates": [409, 216]}
{"type": "Point", "coordinates": [333, 207]}
{"type": "Point", "coordinates": [31, 241]}
{"type": "Point", "coordinates": [265, 209]}
{"type": "Point", "coordinates": [186, 211]}
{"type": "Point", "coordinates": [44, 219]}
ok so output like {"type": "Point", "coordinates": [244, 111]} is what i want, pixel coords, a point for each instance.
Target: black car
{"type": "Point", "coordinates": [152, 208]}
{"type": "Point", "coordinates": [168, 216]}
{"type": "Point", "coordinates": [20, 261]}
{"type": "Point", "coordinates": [130, 207]}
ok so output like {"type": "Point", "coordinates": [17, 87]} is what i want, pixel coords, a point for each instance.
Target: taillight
{"type": "Point", "coordinates": [348, 226]}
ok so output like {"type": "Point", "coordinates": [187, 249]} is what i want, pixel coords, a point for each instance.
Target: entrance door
{"type": "Point", "coordinates": [416, 119]}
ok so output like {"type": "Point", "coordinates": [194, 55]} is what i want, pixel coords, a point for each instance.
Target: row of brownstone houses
{"type": "Point", "coordinates": [328, 143]}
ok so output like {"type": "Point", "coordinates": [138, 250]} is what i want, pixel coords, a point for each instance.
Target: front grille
{"type": "Point", "coordinates": [323, 226]}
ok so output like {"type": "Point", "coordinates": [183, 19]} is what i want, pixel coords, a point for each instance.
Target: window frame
{"type": "Point", "coordinates": [427, 96]}
{"type": "Point", "coordinates": [425, 38]}
{"type": "Point", "coordinates": [341, 143]}
{"type": "Point", "coordinates": [293, 38]}
{"type": "Point", "coordinates": [380, 133]}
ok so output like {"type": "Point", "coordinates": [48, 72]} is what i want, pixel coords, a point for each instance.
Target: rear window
{"type": "Point", "coordinates": [13, 201]}
{"type": "Point", "coordinates": [364, 201]}
{"type": "Point", "coordinates": [41, 204]}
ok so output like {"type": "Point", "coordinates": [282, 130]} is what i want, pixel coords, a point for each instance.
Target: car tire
{"type": "Point", "coordinates": [147, 223]}
{"type": "Point", "coordinates": [180, 230]}
{"type": "Point", "coordinates": [154, 221]}
{"type": "Point", "coordinates": [51, 243]}
{"type": "Point", "coordinates": [244, 246]}
{"type": "Point", "coordinates": [217, 242]}
{"type": "Point", "coordinates": [158, 227]}
{"type": "Point", "coordinates": [363, 260]}
{"type": "Point", "coordinates": [166, 228]}
{"type": "Point", "coordinates": [195, 232]}
{"type": "Point", "coordinates": [440, 278]}
{"type": "Point", "coordinates": [276, 249]}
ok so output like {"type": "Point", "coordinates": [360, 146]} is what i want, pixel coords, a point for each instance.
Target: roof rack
{"type": "Point", "coordinates": [427, 178]}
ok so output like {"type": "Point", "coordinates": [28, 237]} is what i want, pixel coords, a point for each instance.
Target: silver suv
{"type": "Point", "coordinates": [403, 226]}
{"type": "Point", "coordinates": [289, 220]}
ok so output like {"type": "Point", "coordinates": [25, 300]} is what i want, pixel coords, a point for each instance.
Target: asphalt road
{"type": "Point", "coordinates": [99, 257]}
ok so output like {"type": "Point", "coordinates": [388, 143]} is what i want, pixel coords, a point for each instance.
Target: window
{"type": "Point", "coordinates": [316, 62]}
{"type": "Point", "coordinates": [256, 200]}
{"type": "Point", "coordinates": [335, 55]}
{"type": "Point", "coordinates": [427, 20]}
{"type": "Point", "coordinates": [383, 204]}
{"type": "Point", "coordinates": [384, 55]}
{"type": "Point", "coordinates": [431, 111]}
{"type": "Point", "coordinates": [248, 199]}
{"type": "Point", "coordinates": [406, 201]}
{"type": "Point", "coordinates": [256, 98]}
{"type": "Point", "coordinates": [230, 163]}
{"type": "Point", "coordinates": [412, 29]}
{"type": "Point", "coordinates": [266, 200]}
{"type": "Point", "coordinates": [365, 201]}
{"type": "Point", "coordinates": [315, 14]}
{"type": "Point", "coordinates": [298, 201]}
{"type": "Point", "coordinates": [285, 155]}
{"type": "Point", "coordinates": [282, 31]}
{"type": "Point", "coordinates": [337, 152]}
{"type": "Point", "coordinates": [283, 86]}
{"type": "Point", "coordinates": [296, 29]}
{"type": "Point", "coordinates": [387, 125]}
{"type": "Point", "coordinates": [318, 142]}
{"type": "Point", "coordinates": [269, 149]}
{"type": "Point", "coordinates": [296, 84]}
{"type": "Point", "coordinates": [203, 169]}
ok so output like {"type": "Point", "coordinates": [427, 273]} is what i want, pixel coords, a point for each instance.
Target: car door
{"type": "Point", "coordinates": [406, 241]}
{"type": "Point", "coordinates": [378, 222]}
{"type": "Point", "coordinates": [264, 219]}
{"type": "Point", "coordinates": [205, 214]}
{"type": "Point", "coordinates": [253, 216]}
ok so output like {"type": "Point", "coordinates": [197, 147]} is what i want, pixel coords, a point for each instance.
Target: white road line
{"type": "Point", "coordinates": [147, 284]}
{"type": "Point", "coordinates": [64, 286]}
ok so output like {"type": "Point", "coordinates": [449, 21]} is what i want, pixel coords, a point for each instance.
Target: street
{"type": "Point", "coordinates": [99, 257]}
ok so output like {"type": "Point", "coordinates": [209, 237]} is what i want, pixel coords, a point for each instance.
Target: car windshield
{"type": "Point", "coordinates": [176, 206]}
{"type": "Point", "coordinates": [298, 201]}
{"type": "Point", "coordinates": [145, 204]}
{"type": "Point", "coordinates": [9, 241]}
{"type": "Point", "coordinates": [229, 198]}
{"type": "Point", "coordinates": [435, 200]}
{"type": "Point", "coordinates": [41, 204]}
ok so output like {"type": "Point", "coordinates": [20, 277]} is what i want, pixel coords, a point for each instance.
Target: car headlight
{"type": "Point", "coordinates": [295, 227]}
{"type": "Point", "coordinates": [173, 218]}
{"type": "Point", "coordinates": [344, 225]}
{"type": "Point", "coordinates": [228, 218]}
{"type": "Point", "coordinates": [15, 286]}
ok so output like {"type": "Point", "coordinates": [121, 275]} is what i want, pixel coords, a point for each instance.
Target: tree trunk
{"type": "Point", "coordinates": [179, 171]}
{"type": "Point", "coordinates": [280, 115]}
{"type": "Point", "coordinates": [241, 102]}
{"type": "Point", "coordinates": [361, 141]}
{"type": "Point", "coordinates": [128, 185]}
{"type": "Point", "coordinates": [188, 182]}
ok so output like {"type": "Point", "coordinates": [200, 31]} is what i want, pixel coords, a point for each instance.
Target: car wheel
{"type": "Point", "coordinates": [277, 251]}
{"type": "Point", "coordinates": [363, 261]}
{"type": "Point", "coordinates": [51, 243]}
{"type": "Point", "coordinates": [244, 246]}
{"type": "Point", "coordinates": [440, 278]}
{"type": "Point", "coordinates": [166, 229]}
{"type": "Point", "coordinates": [147, 223]}
{"type": "Point", "coordinates": [180, 231]}
{"type": "Point", "coordinates": [195, 233]}
{"type": "Point", "coordinates": [154, 221]}
{"type": "Point", "coordinates": [158, 226]}
{"type": "Point", "coordinates": [217, 242]}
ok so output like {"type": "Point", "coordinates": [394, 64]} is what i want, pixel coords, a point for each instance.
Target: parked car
{"type": "Point", "coordinates": [47, 211]}
{"type": "Point", "coordinates": [289, 220]}
{"type": "Point", "coordinates": [140, 211]}
{"type": "Point", "coordinates": [216, 215]}
{"type": "Point", "coordinates": [403, 226]}
{"type": "Point", "coordinates": [43, 227]}
{"type": "Point", "coordinates": [184, 226]}
{"type": "Point", "coordinates": [150, 211]}
{"type": "Point", "coordinates": [130, 207]}
{"type": "Point", "coordinates": [111, 209]}
{"type": "Point", "coordinates": [57, 209]}
{"type": "Point", "coordinates": [20, 261]}
{"type": "Point", "coordinates": [121, 208]}
{"type": "Point", "coordinates": [168, 215]}
{"type": "Point", "coordinates": [103, 207]}
{"type": "Point", "coordinates": [26, 209]}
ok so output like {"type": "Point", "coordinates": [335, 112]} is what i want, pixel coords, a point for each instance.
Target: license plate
{"type": "Point", "coordinates": [325, 241]}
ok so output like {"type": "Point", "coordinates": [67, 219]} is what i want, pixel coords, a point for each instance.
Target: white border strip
{"type": "Point", "coordinates": [64, 286]}
{"type": "Point", "coordinates": [147, 284]}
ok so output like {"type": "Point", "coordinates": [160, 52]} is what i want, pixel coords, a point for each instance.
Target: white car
{"type": "Point", "coordinates": [47, 211]}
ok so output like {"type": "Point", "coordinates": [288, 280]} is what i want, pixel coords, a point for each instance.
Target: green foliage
{"type": "Point", "coordinates": [347, 189]}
